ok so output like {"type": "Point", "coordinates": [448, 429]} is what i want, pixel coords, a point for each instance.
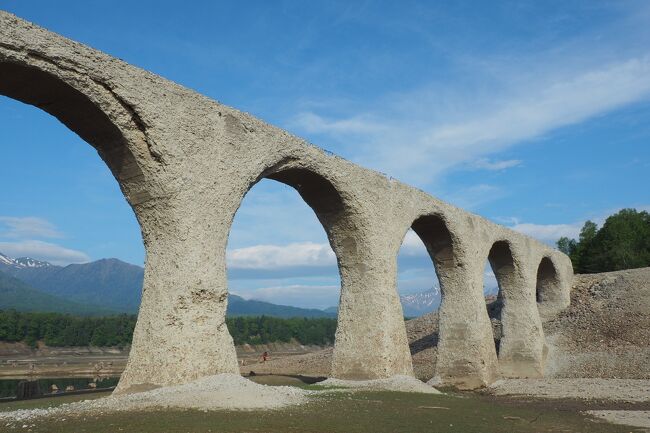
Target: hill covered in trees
{"type": "Point", "coordinates": [31, 285]}
{"type": "Point", "coordinates": [623, 242]}
{"type": "Point", "coordinates": [18, 295]}
{"type": "Point", "coordinates": [58, 330]}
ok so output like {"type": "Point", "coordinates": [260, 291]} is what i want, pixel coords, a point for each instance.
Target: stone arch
{"type": "Point", "coordinates": [549, 291]}
{"type": "Point", "coordinates": [521, 348]}
{"type": "Point", "coordinates": [438, 240]}
{"type": "Point", "coordinates": [72, 99]}
{"type": "Point", "coordinates": [78, 112]}
{"type": "Point", "coordinates": [502, 263]}
{"type": "Point", "coordinates": [316, 190]}
{"type": "Point", "coordinates": [465, 356]}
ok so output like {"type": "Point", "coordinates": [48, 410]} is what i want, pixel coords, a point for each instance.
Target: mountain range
{"type": "Point", "coordinates": [106, 286]}
{"type": "Point", "coordinates": [417, 304]}
{"type": "Point", "coordinates": [110, 286]}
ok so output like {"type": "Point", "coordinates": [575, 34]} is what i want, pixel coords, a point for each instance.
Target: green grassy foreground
{"type": "Point", "coordinates": [335, 412]}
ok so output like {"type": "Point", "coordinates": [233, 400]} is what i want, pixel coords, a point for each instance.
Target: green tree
{"type": "Point", "coordinates": [623, 242]}
{"type": "Point", "coordinates": [566, 245]}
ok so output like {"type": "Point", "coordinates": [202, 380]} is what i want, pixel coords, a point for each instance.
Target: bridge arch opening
{"type": "Point", "coordinates": [75, 110]}
{"type": "Point", "coordinates": [279, 253]}
{"type": "Point", "coordinates": [429, 241]}
{"type": "Point", "coordinates": [39, 152]}
{"type": "Point", "coordinates": [548, 289]}
{"type": "Point", "coordinates": [501, 262]}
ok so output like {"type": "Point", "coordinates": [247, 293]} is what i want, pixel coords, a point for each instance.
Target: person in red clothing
{"type": "Point", "coordinates": [265, 356]}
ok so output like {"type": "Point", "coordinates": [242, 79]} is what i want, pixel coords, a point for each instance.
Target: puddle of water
{"type": "Point", "coordinates": [9, 387]}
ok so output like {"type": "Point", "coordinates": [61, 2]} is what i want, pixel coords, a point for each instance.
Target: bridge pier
{"type": "Point", "coordinates": [522, 348]}
{"type": "Point", "coordinates": [181, 334]}
{"type": "Point", "coordinates": [371, 340]}
{"type": "Point", "coordinates": [466, 354]}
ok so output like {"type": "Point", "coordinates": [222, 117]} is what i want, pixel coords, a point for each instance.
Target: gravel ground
{"type": "Point", "coordinates": [606, 330]}
{"type": "Point", "coordinates": [635, 418]}
{"type": "Point", "coordinates": [395, 383]}
{"type": "Point", "coordinates": [223, 391]}
{"type": "Point", "coordinates": [623, 390]}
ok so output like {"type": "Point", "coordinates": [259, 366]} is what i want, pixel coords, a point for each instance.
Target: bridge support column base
{"type": "Point", "coordinates": [466, 353]}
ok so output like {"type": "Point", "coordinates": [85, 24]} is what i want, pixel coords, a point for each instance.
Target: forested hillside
{"type": "Point", "coordinates": [623, 242]}
{"type": "Point", "coordinates": [18, 295]}
{"type": "Point", "coordinates": [66, 330]}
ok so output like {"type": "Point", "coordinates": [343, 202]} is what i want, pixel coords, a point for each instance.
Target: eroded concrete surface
{"type": "Point", "coordinates": [184, 163]}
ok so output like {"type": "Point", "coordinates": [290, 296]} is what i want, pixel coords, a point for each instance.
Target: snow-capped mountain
{"type": "Point", "coordinates": [417, 304]}
{"type": "Point", "coordinates": [7, 261]}
{"type": "Point", "coordinates": [21, 262]}
{"type": "Point", "coordinates": [28, 262]}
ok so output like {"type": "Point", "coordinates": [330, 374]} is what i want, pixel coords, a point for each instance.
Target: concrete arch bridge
{"type": "Point", "coordinates": [184, 163]}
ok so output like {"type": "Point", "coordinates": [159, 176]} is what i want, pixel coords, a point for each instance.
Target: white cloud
{"type": "Point", "coordinates": [416, 143]}
{"type": "Point", "coordinates": [305, 296]}
{"type": "Point", "coordinates": [46, 251]}
{"type": "Point", "coordinates": [487, 164]}
{"type": "Point", "coordinates": [412, 245]}
{"type": "Point", "coordinates": [28, 227]}
{"type": "Point", "coordinates": [475, 196]}
{"type": "Point", "coordinates": [549, 233]}
{"type": "Point", "coordinates": [313, 123]}
{"type": "Point", "coordinates": [281, 256]}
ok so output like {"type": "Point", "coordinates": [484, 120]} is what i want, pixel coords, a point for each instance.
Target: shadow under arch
{"type": "Point", "coordinates": [502, 263]}
{"type": "Point", "coordinates": [76, 111]}
{"type": "Point", "coordinates": [548, 289]}
{"type": "Point", "coordinates": [438, 240]}
{"type": "Point", "coordinates": [317, 191]}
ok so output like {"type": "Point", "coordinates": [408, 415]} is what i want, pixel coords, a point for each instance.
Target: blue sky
{"type": "Point", "coordinates": [532, 114]}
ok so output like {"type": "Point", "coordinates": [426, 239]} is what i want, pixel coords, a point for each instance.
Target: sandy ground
{"type": "Point", "coordinates": [395, 383]}
{"type": "Point", "coordinates": [634, 418]}
{"type": "Point", "coordinates": [18, 361]}
{"type": "Point", "coordinates": [222, 391]}
{"type": "Point", "coordinates": [624, 390]}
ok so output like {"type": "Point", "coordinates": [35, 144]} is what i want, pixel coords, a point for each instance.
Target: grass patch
{"type": "Point", "coordinates": [361, 411]}
{"type": "Point", "coordinates": [49, 402]}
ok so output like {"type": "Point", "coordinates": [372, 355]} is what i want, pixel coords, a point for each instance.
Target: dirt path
{"type": "Point", "coordinates": [618, 390]}
{"type": "Point", "coordinates": [634, 418]}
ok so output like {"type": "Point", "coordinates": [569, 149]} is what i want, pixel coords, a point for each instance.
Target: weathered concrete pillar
{"type": "Point", "coordinates": [181, 333]}
{"type": "Point", "coordinates": [522, 349]}
{"type": "Point", "coordinates": [371, 338]}
{"type": "Point", "coordinates": [466, 354]}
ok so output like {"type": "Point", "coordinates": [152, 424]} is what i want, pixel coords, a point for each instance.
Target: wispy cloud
{"type": "Point", "coordinates": [412, 142]}
{"type": "Point", "coordinates": [313, 123]}
{"type": "Point", "coordinates": [306, 296]}
{"type": "Point", "coordinates": [27, 227]}
{"type": "Point", "coordinates": [19, 237]}
{"type": "Point", "coordinates": [474, 196]}
{"type": "Point", "coordinates": [549, 233]}
{"type": "Point", "coordinates": [46, 251]}
{"type": "Point", "coordinates": [306, 254]}
{"type": "Point", "coordinates": [494, 165]}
